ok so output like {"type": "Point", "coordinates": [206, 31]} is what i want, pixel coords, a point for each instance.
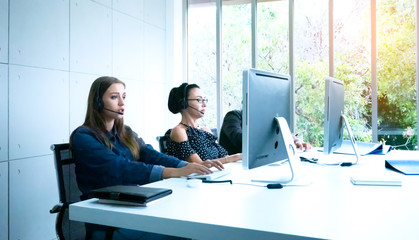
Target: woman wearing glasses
{"type": "Point", "coordinates": [189, 141]}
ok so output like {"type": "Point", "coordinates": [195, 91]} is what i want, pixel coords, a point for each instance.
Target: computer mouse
{"type": "Point", "coordinates": [193, 183]}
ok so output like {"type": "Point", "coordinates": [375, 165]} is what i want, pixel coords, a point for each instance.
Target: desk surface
{"type": "Point", "coordinates": [330, 208]}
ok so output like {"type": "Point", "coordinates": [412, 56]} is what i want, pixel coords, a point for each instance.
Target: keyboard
{"type": "Point", "coordinates": [211, 176]}
{"type": "Point", "coordinates": [314, 156]}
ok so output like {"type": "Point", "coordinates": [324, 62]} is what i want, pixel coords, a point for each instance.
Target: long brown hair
{"type": "Point", "coordinates": [95, 120]}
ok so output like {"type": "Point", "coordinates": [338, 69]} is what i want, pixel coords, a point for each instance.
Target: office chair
{"type": "Point", "coordinates": [162, 143]}
{"type": "Point", "coordinates": [68, 193]}
{"type": "Point", "coordinates": [215, 132]}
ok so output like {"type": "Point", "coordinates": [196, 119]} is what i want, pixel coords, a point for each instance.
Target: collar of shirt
{"type": "Point", "coordinates": [111, 135]}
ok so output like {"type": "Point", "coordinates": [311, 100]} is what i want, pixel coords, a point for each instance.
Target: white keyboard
{"type": "Point", "coordinates": [211, 176]}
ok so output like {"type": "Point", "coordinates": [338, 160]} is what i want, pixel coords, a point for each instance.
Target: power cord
{"type": "Point", "coordinates": [269, 186]}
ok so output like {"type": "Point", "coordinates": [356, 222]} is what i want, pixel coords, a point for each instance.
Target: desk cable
{"type": "Point", "coordinates": [315, 161]}
{"type": "Point", "coordinates": [269, 186]}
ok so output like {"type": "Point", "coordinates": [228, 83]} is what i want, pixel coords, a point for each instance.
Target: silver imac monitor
{"type": "Point", "coordinates": [267, 138]}
{"type": "Point", "coordinates": [265, 96]}
{"type": "Point", "coordinates": [333, 110]}
{"type": "Point", "coordinates": [335, 119]}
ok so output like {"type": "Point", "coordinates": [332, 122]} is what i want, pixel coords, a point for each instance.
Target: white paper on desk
{"type": "Point", "coordinates": [374, 179]}
{"type": "Point", "coordinates": [364, 148]}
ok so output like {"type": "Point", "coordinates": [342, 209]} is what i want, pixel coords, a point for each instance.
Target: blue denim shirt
{"type": "Point", "coordinates": [98, 166]}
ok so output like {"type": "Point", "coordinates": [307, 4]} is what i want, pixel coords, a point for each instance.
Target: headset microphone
{"type": "Point", "coordinates": [113, 111]}
{"type": "Point", "coordinates": [197, 110]}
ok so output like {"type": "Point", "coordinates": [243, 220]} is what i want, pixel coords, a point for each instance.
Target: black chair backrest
{"type": "Point", "coordinates": [162, 143]}
{"type": "Point", "coordinates": [66, 175]}
{"type": "Point", "coordinates": [215, 132]}
{"type": "Point", "coordinates": [68, 193]}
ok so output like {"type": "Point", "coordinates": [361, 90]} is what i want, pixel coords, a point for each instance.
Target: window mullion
{"type": "Point", "coordinates": [374, 90]}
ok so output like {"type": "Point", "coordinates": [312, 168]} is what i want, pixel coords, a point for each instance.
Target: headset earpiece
{"type": "Point", "coordinates": [184, 101]}
{"type": "Point", "coordinates": [98, 103]}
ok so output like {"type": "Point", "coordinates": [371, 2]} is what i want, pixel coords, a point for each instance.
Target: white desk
{"type": "Point", "coordinates": [330, 208]}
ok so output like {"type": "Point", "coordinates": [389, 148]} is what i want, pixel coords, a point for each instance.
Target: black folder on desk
{"type": "Point", "coordinates": [407, 167]}
{"type": "Point", "coordinates": [131, 195]}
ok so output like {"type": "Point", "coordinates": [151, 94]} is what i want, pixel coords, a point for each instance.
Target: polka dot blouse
{"type": "Point", "coordinates": [200, 142]}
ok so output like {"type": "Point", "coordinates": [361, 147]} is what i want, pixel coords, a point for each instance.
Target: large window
{"type": "Point", "coordinates": [352, 62]}
{"type": "Point", "coordinates": [396, 72]}
{"type": "Point", "coordinates": [380, 91]}
{"type": "Point", "coordinates": [236, 49]}
{"type": "Point", "coordinates": [202, 53]}
{"type": "Point", "coordinates": [311, 66]}
{"type": "Point", "coordinates": [272, 36]}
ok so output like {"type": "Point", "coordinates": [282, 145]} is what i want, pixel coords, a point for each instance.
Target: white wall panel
{"type": "Point", "coordinates": [39, 110]}
{"type": "Point", "coordinates": [134, 8]}
{"type": "Point", "coordinates": [90, 38]}
{"type": "Point", "coordinates": [154, 54]}
{"type": "Point", "coordinates": [107, 3]}
{"type": "Point", "coordinates": [142, 3]}
{"type": "Point", "coordinates": [127, 47]}
{"type": "Point", "coordinates": [4, 30]}
{"type": "Point", "coordinates": [155, 13]}
{"type": "Point", "coordinates": [33, 192]}
{"type": "Point", "coordinates": [4, 99]}
{"type": "Point", "coordinates": [4, 200]}
{"type": "Point", "coordinates": [155, 76]}
{"type": "Point", "coordinates": [39, 35]}
{"type": "Point", "coordinates": [79, 92]}
{"type": "Point", "coordinates": [135, 105]}
{"type": "Point", "coordinates": [155, 122]}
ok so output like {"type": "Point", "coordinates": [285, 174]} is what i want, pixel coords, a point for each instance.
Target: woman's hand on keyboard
{"type": "Point", "coordinates": [233, 158]}
{"type": "Point", "coordinates": [186, 170]}
{"type": "Point", "coordinates": [213, 163]}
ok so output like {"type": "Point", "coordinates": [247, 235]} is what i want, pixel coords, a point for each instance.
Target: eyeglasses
{"type": "Point", "coordinates": [200, 100]}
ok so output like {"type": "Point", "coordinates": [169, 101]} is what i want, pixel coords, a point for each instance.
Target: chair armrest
{"type": "Point", "coordinates": [56, 208]}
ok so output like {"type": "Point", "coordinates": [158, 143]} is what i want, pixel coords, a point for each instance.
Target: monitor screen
{"type": "Point", "coordinates": [265, 96]}
{"type": "Point", "coordinates": [333, 111]}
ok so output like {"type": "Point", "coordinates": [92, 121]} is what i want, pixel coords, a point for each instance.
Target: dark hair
{"type": "Point", "coordinates": [178, 97]}
{"type": "Point", "coordinates": [95, 121]}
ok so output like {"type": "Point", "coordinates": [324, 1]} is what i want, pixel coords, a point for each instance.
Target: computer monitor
{"type": "Point", "coordinates": [266, 117]}
{"type": "Point", "coordinates": [333, 110]}
{"type": "Point", "coordinates": [335, 119]}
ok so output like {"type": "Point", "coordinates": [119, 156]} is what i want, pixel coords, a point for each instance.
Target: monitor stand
{"type": "Point", "coordinates": [353, 142]}
{"type": "Point", "coordinates": [287, 171]}
{"type": "Point", "coordinates": [334, 159]}
{"type": "Point", "coordinates": [352, 138]}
